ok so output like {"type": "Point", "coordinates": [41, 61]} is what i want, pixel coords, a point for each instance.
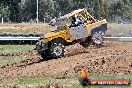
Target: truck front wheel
{"type": "Point", "coordinates": [57, 50]}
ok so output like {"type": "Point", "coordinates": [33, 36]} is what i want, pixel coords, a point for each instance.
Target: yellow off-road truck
{"type": "Point", "coordinates": [76, 27]}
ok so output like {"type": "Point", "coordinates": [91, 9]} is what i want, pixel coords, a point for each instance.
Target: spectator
{"type": "Point", "coordinates": [53, 21]}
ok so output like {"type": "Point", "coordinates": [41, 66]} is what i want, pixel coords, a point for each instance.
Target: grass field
{"type": "Point", "coordinates": [14, 49]}
{"type": "Point", "coordinates": [69, 82]}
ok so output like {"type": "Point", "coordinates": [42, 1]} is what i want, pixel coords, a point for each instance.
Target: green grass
{"type": "Point", "coordinates": [15, 48]}
{"type": "Point", "coordinates": [43, 81]}
{"type": "Point", "coordinates": [27, 80]}
{"type": "Point", "coordinates": [24, 80]}
{"type": "Point", "coordinates": [69, 82]}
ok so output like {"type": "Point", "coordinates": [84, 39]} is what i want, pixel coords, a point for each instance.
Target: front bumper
{"type": "Point", "coordinates": [41, 46]}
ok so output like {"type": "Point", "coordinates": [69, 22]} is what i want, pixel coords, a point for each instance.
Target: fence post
{"type": "Point", "coordinates": [2, 20]}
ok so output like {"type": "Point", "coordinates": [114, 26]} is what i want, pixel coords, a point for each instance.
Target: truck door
{"type": "Point", "coordinates": [78, 32]}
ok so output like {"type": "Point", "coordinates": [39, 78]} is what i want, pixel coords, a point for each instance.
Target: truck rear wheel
{"type": "Point", "coordinates": [57, 50]}
{"type": "Point", "coordinates": [97, 38]}
{"type": "Point", "coordinates": [86, 42]}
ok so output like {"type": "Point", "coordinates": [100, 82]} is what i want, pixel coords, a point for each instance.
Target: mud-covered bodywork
{"type": "Point", "coordinates": [63, 29]}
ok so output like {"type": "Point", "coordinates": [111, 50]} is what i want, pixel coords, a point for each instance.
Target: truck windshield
{"type": "Point", "coordinates": [63, 22]}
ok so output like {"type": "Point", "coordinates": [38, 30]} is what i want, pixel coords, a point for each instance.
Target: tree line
{"type": "Point", "coordinates": [25, 10]}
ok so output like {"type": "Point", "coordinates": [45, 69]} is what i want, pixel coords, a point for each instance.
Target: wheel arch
{"type": "Point", "coordinates": [102, 28]}
{"type": "Point", "coordinates": [59, 40]}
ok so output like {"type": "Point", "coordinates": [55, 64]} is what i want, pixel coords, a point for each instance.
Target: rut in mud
{"type": "Point", "coordinates": [111, 58]}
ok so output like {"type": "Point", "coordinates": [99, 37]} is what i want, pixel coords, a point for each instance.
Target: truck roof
{"type": "Point", "coordinates": [70, 14]}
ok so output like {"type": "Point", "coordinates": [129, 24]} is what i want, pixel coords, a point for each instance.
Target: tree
{"type": "Point", "coordinates": [4, 12]}
{"type": "Point", "coordinates": [25, 10]}
{"type": "Point", "coordinates": [28, 10]}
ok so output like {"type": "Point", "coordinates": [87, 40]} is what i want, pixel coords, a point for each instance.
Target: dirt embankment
{"type": "Point", "coordinates": [111, 58]}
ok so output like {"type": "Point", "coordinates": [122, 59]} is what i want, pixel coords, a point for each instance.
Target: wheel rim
{"type": "Point", "coordinates": [57, 50]}
{"type": "Point", "coordinates": [97, 38]}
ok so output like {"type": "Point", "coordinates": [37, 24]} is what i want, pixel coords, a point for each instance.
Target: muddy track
{"type": "Point", "coordinates": [111, 58]}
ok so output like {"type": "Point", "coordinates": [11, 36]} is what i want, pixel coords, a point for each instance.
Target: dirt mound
{"type": "Point", "coordinates": [111, 58]}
